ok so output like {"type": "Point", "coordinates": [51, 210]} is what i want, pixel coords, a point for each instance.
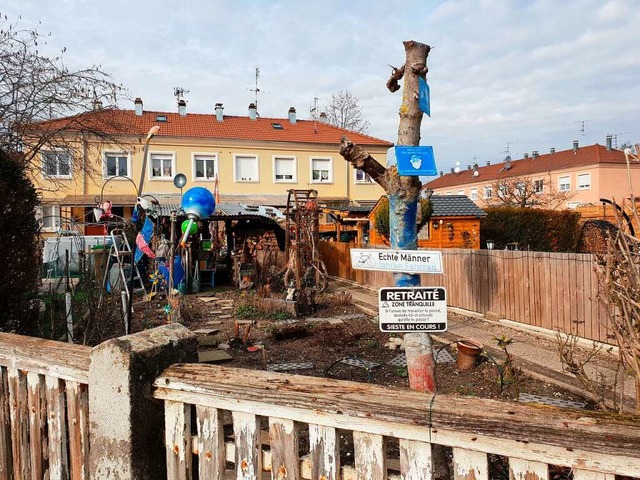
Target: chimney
{"type": "Point", "coordinates": [253, 111]}
{"type": "Point", "coordinates": [488, 163]}
{"type": "Point", "coordinates": [182, 108]}
{"type": "Point", "coordinates": [525, 155]}
{"type": "Point", "coordinates": [219, 112]}
{"type": "Point", "coordinates": [97, 104]}
{"type": "Point", "coordinates": [468, 167]}
{"type": "Point", "coordinates": [323, 117]}
{"type": "Point", "coordinates": [138, 104]}
{"type": "Point", "coordinates": [609, 140]}
{"type": "Point", "coordinates": [292, 115]}
{"type": "Point", "coordinates": [575, 147]}
{"type": "Point", "coordinates": [534, 154]}
{"type": "Point", "coordinates": [552, 150]}
{"type": "Point", "coordinates": [441, 173]}
{"type": "Point", "coordinates": [453, 170]}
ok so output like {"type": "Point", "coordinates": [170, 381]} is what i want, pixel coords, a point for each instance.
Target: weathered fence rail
{"type": "Point", "coordinates": [44, 409]}
{"type": "Point", "coordinates": [556, 291]}
{"type": "Point", "coordinates": [276, 418]}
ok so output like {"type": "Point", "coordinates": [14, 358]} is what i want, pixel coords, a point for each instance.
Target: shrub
{"type": "Point", "coordinates": [19, 277]}
{"type": "Point", "coordinates": [533, 228]}
{"type": "Point", "coordinates": [381, 217]}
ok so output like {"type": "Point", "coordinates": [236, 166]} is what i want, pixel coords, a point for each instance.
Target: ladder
{"type": "Point", "coordinates": [120, 254]}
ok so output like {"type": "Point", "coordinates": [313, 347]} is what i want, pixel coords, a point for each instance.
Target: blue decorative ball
{"type": "Point", "coordinates": [198, 203]}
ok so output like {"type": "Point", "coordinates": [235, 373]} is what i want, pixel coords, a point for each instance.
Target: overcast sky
{"type": "Point", "coordinates": [525, 72]}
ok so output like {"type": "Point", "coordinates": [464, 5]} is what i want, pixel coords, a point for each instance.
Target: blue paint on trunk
{"type": "Point", "coordinates": [403, 234]}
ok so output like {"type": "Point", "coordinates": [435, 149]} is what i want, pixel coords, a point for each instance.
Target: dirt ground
{"type": "Point", "coordinates": [349, 335]}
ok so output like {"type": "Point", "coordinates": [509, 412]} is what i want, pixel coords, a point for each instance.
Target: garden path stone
{"type": "Point", "coordinates": [213, 356]}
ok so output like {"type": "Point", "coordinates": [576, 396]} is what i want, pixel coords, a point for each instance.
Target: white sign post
{"type": "Point", "coordinates": [406, 261]}
{"type": "Point", "coordinates": [412, 309]}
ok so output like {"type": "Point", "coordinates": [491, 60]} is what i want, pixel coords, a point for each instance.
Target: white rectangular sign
{"type": "Point", "coordinates": [406, 261]}
{"type": "Point", "coordinates": [412, 309]}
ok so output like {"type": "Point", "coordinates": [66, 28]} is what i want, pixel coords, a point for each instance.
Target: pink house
{"type": "Point", "coordinates": [579, 176]}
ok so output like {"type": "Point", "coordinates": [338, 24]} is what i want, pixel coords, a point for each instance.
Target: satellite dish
{"type": "Point", "coordinates": [457, 169]}
{"type": "Point", "coordinates": [180, 180]}
{"type": "Point", "coordinates": [476, 173]}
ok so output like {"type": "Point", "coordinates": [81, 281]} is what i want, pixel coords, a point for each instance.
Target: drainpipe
{"type": "Point", "coordinates": [84, 166]}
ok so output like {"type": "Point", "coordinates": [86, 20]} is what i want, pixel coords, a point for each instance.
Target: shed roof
{"type": "Point", "coordinates": [455, 206]}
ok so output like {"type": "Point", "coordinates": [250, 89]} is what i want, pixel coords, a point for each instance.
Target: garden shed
{"type": "Point", "coordinates": [454, 223]}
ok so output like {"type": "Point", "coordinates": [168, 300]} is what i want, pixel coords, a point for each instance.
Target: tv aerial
{"type": "Point", "coordinates": [257, 90]}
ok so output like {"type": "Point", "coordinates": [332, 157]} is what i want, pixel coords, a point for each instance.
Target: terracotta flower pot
{"type": "Point", "coordinates": [468, 351]}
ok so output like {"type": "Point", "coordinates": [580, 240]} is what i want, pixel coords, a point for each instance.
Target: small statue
{"type": "Point", "coordinates": [162, 250]}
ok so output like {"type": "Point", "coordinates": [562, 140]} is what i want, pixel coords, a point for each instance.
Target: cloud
{"type": "Point", "coordinates": [500, 70]}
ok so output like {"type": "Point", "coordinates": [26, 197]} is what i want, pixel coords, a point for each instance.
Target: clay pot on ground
{"type": "Point", "coordinates": [468, 351]}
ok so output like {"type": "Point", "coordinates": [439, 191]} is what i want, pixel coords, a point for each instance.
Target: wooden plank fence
{"type": "Point", "coordinates": [292, 427]}
{"type": "Point", "coordinates": [555, 291]}
{"type": "Point", "coordinates": [44, 409]}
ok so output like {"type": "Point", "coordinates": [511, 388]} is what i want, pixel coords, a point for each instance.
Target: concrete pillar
{"type": "Point", "coordinates": [125, 422]}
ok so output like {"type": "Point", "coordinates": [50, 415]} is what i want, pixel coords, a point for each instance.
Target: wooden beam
{"type": "Point", "coordinates": [46, 357]}
{"type": "Point", "coordinates": [365, 407]}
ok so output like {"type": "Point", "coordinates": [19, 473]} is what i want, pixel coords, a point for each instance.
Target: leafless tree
{"type": "Point", "coordinates": [525, 192]}
{"type": "Point", "coordinates": [345, 111]}
{"type": "Point", "coordinates": [36, 88]}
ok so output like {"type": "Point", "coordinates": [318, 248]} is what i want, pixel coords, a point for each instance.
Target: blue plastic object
{"type": "Point", "coordinates": [198, 203]}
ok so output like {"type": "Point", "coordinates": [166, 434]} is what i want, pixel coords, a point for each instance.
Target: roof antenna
{"type": "Point", "coordinates": [257, 90]}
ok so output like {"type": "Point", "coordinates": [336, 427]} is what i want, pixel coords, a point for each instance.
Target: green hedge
{"type": "Point", "coordinates": [532, 228]}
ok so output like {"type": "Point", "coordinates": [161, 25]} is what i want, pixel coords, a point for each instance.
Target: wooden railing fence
{"type": "Point", "coordinates": [556, 291]}
{"type": "Point", "coordinates": [305, 427]}
{"type": "Point", "coordinates": [44, 409]}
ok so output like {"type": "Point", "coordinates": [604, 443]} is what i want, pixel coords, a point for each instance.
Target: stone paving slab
{"type": "Point", "coordinates": [224, 317]}
{"type": "Point", "coordinates": [212, 356]}
{"type": "Point", "coordinates": [206, 331]}
{"type": "Point", "coordinates": [207, 299]}
{"type": "Point", "coordinates": [208, 341]}
{"type": "Point", "coordinates": [332, 321]}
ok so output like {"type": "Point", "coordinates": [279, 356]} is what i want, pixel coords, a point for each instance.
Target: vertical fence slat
{"type": "Point", "coordinates": [285, 458]}
{"type": "Point", "coordinates": [520, 469]}
{"type": "Point", "coordinates": [211, 449]}
{"type": "Point", "coordinates": [246, 428]}
{"type": "Point", "coordinates": [370, 456]}
{"type": "Point", "coordinates": [325, 454]}
{"type": "Point", "coordinates": [5, 426]}
{"type": "Point", "coordinates": [19, 424]}
{"type": "Point", "coordinates": [78, 426]}
{"type": "Point", "coordinates": [58, 461]}
{"type": "Point", "coordinates": [37, 423]}
{"type": "Point", "coordinates": [470, 465]}
{"type": "Point", "coordinates": [177, 420]}
{"type": "Point", "coordinates": [589, 475]}
{"type": "Point", "coordinates": [415, 460]}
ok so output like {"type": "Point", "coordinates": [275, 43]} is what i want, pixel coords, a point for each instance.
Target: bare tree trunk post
{"type": "Point", "coordinates": [403, 194]}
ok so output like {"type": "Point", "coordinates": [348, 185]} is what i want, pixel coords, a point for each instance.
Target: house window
{"type": "Point", "coordinates": [284, 169]}
{"type": "Point", "coordinates": [116, 164]}
{"type": "Point", "coordinates": [460, 192]}
{"type": "Point", "coordinates": [49, 217]}
{"type": "Point", "coordinates": [503, 190]}
{"type": "Point", "coordinates": [162, 165]}
{"type": "Point", "coordinates": [56, 164]}
{"type": "Point", "coordinates": [204, 166]}
{"type": "Point", "coordinates": [538, 186]}
{"type": "Point", "coordinates": [564, 183]}
{"type": "Point", "coordinates": [584, 181]}
{"type": "Point", "coordinates": [488, 191]}
{"type": "Point", "coordinates": [474, 194]}
{"type": "Point", "coordinates": [449, 192]}
{"type": "Point", "coordinates": [520, 189]}
{"type": "Point", "coordinates": [362, 177]}
{"type": "Point", "coordinates": [246, 168]}
{"type": "Point", "coordinates": [321, 170]}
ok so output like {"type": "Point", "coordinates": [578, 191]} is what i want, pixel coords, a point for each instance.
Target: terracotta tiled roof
{"type": "Point", "coordinates": [206, 126]}
{"type": "Point", "coordinates": [590, 155]}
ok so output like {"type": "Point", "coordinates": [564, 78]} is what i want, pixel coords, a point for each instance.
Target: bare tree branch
{"type": "Point", "coordinates": [36, 88]}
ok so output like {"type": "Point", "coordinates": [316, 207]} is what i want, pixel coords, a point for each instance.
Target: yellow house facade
{"type": "Point", "coordinates": [256, 160]}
